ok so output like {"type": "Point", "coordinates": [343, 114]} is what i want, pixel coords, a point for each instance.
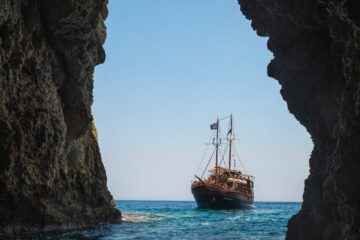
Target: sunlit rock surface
{"type": "Point", "coordinates": [316, 47]}
{"type": "Point", "coordinates": [51, 173]}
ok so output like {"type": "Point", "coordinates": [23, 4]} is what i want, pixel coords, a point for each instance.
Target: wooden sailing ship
{"type": "Point", "coordinates": [224, 188]}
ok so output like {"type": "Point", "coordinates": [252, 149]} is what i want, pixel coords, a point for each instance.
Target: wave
{"type": "Point", "coordinates": [141, 217]}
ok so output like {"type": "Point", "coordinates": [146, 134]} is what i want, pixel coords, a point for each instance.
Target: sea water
{"type": "Point", "coordinates": [182, 220]}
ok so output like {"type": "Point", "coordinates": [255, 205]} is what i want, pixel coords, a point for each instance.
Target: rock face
{"type": "Point", "coordinates": [51, 173]}
{"type": "Point", "coordinates": [316, 46]}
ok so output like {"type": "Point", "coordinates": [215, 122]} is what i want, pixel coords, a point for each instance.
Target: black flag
{"type": "Point", "coordinates": [214, 126]}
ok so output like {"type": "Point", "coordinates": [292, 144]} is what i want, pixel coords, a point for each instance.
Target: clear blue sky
{"type": "Point", "coordinates": [171, 68]}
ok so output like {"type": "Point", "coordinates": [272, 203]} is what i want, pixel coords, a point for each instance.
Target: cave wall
{"type": "Point", "coordinates": [316, 47]}
{"type": "Point", "coordinates": [51, 172]}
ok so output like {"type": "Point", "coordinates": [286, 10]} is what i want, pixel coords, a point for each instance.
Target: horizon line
{"type": "Point", "coordinates": [158, 200]}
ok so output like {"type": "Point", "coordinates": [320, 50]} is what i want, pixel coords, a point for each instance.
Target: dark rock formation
{"type": "Point", "coordinates": [316, 46]}
{"type": "Point", "coordinates": [51, 173]}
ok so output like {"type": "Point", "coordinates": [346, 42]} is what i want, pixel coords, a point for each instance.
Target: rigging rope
{"type": "Point", "coordinates": [238, 156]}
{"type": "Point", "coordinates": [223, 156]}
{"type": "Point", "coordinates": [202, 159]}
{"type": "Point", "coordinates": [207, 165]}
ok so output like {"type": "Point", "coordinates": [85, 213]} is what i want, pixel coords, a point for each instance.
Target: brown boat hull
{"type": "Point", "coordinates": [212, 197]}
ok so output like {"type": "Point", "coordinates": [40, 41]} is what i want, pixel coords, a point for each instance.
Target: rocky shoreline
{"type": "Point", "coordinates": [316, 47]}
{"type": "Point", "coordinates": [51, 173]}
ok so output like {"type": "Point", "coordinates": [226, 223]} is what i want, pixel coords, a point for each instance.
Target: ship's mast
{"type": "Point", "coordinates": [217, 151]}
{"type": "Point", "coordinates": [230, 140]}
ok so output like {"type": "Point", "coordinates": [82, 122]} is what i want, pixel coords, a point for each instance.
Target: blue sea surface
{"type": "Point", "coordinates": [182, 220]}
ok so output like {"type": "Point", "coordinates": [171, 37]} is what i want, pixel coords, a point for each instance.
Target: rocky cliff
{"type": "Point", "coordinates": [51, 173]}
{"type": "Point", "coordinates": [316, 47]}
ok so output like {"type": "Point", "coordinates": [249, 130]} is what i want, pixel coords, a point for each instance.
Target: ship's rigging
{"type": "Point", "coordinates": [224, 150]}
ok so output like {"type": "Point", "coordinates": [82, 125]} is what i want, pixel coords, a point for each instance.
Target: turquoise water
{"type": "Point", "coordinates": [181, 220]}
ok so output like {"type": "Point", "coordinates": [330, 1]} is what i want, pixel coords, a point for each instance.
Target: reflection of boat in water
{"type": "Point", "coordinates": [225, 188]}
